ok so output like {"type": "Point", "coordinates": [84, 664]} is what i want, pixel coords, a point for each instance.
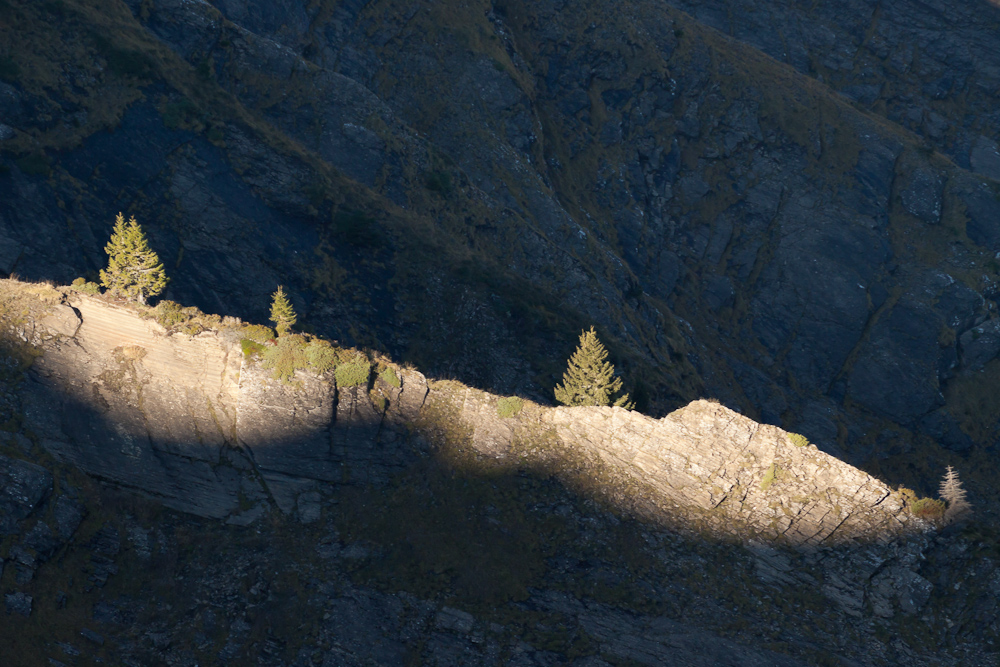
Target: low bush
{"type": "Point", "coordinates": [510, 406]}
{"type": "Point", "coordinates": [288, 356]}
{"type": "Point", "coordinates": [251, 348]}
{"type": "Point", "coordinates": [170, 313]}
{"type": "Point", "coordinates": [353, 373]}
{"type": "Point", "coordinates": [257, 333]}
{"type": "Point", "coordinates": [928, 508]}
{"type": "Point", "coordinates": [82, 285]}
{"type": "Point", "coordinates": [321, 355]}
{"type": "Point", "coordinates": [390, 378]}
{"type": "Point", "coordinates": [798, 439]}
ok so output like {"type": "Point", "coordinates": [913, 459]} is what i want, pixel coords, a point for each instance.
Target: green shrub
{"type": "Point", "coordinates": [288, 356]}
{"type": "Point", "coordinates": [321, 355]}
{"type": "Point", "coordinates": [170, 313]}
{"type": "Point", "coordinates": [798, 439]}
{"type": "Point", "coordinates": [390, 378]}
{"type": "Point", "coordinates": [257, 333]}
{"type": "Point", "coordinates": [509, 406]}
{"type": "Point", "coordinates": [191, 328]}
{"type": "Point", "coordinates": [81, 285]}
{"type": "Point", "coordinates": [353, 373]}
{"type": "Point", "coordinates": [378, 400]}
{"type": "Point", "coordinates": [250, 348]}
{"type": "Point", "coordinates": [928, 508]}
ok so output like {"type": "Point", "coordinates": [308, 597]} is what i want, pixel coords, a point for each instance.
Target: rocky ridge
{"type": "Point", "coordinates": [200, 427]}
{"type": "Point", "coordinates": [242, 446]}
{"type": "Point", "coordinates": [734, 227]}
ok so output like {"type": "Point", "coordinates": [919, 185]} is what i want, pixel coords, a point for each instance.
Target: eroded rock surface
{"type": "Point", "coordinates": [189, 421]}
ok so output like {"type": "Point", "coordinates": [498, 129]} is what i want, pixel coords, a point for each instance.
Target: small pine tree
{"type": "Point", "coordinates": [590, 378]}
{"type": "Point", "coordinates": [282, 313]}
{"type": "Point", "coordinates": [951, 492]}
{"type": "Point", "coordinates": [134, 269]}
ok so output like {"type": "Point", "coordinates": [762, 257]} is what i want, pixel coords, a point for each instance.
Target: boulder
{"type": "Point", "coordinates": [62, 320]}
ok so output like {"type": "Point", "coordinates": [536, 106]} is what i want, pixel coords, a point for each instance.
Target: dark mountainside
{"type": "Point", "coordinates": [792, 208]}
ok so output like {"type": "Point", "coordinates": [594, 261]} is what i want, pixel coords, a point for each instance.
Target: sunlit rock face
{"type": "Point", "coordinates": [749, 479]}
{"type": "Point", "coordinates": [739, 228]}
{"type": "Point", "coordinates": [188, 420]}
{"type": "Point", "coordinates": [184, 419]}
{"type": "Point", "coordinates": [703, 467]}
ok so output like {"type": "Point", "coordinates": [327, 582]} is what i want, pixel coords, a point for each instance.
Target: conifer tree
{"type": "Point", "coordinates": [282, 313]}
{"type": "Point", "coordinates": [951, 492]}
{"type": "Point", "coordinates": [590, 378]}
{"type": "Point", "coordinates": [134, 269]}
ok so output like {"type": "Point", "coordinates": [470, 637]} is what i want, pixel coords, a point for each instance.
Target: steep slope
{"type": "Point", "coordinates": [406, 519]}
{"type": "Point", "coordinates": [467, 185]}
{"type": "Point", "coordinates": [199, 425]}
{"type": "Point", "coordinates": [930, 67]}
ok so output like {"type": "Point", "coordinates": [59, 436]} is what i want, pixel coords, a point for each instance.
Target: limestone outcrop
{"type": "Point", "coordinates": [190, 421]}
{"type": "Point", "coordinates": [703, 467]}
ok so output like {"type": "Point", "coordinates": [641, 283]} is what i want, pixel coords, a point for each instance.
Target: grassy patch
{"type": "Point", "coordinates": [251, 348]}
{"type": "Point", "coordinates": [928, 508]}
{"type": "Point", "coordinates": [286, 357]}
{"type": "Point", "coordinates": [769, 477]}
{"type": "Point", "coordinates": [321, 355]}
{"type": "Point", "coordinates": [390, 378]}
{"type": "Point", "coordinates": [510, 406]}
{"type": "Point", "coordinates": [353, 373]}
{"type": "Point", "coordinates": [86, 287]}
{"type": "Point", "coordinates": [258, 333]}
{"type": "Point", "coordinates": [798, 440]}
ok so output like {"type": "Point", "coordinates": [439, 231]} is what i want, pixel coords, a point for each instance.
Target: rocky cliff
{"type": "Point", "coordinates": [194, 423]}
{"type": "Point", "coordinates": [414, 502]}
{"type": "Point", "coordinates": [800, 222]}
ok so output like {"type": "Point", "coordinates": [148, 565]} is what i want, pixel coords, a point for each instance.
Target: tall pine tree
{"type": "Point", "coordinates": [590, 378]}
{"type": "Point", "coordinates": [282, 313]}
{"type": "Point", "coordinates": [134, 269]}
{"type": "Point", "coordinates": [951, 492]}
